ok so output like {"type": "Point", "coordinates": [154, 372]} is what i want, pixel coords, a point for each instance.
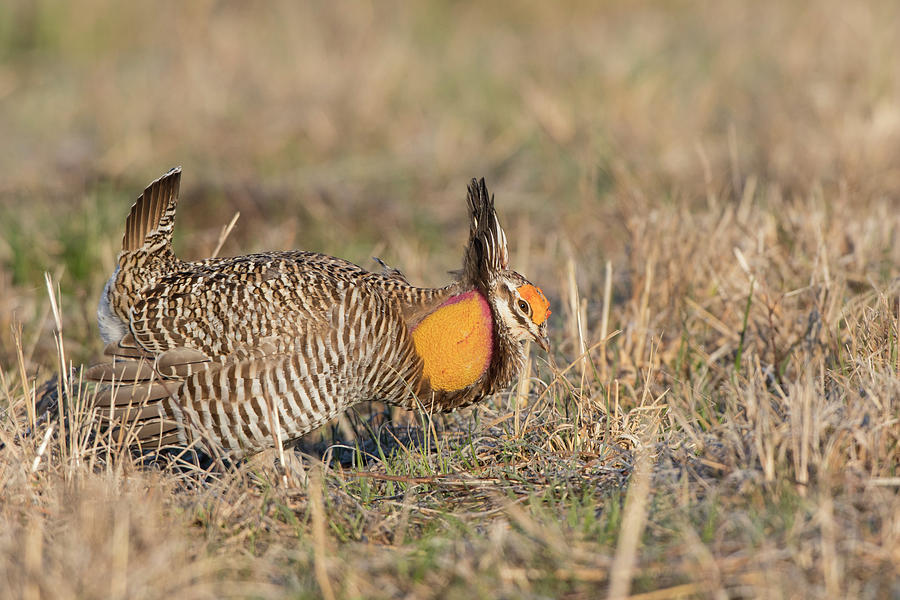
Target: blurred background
{"type": "Point", "coordinates": [353, 128]}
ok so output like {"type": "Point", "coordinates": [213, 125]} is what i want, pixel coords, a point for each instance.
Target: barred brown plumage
{"type": "Point", "coordinates": [235, 354]}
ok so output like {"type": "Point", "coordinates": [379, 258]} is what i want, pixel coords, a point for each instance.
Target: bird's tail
{"type": "Point", "coordinates": [151, 220]}
{"type": "Point", "coordinates": [136, 390]}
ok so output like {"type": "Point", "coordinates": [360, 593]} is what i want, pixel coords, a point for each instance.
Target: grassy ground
{"type": "Point", "coordinates": [706, 191]}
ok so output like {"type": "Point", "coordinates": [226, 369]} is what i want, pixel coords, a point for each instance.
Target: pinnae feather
{"type": "Point", "coordinates": [487, 253]}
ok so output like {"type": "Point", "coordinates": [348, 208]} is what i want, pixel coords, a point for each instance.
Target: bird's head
{"type": "Point", "coordinates": [521, 308]}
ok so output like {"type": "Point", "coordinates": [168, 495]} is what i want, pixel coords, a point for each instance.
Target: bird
{"type": "Point", "coordinates": [238, 355]}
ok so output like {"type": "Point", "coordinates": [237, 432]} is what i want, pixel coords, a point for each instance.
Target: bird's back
{"type": "Point", "coordinates": [291, 338]}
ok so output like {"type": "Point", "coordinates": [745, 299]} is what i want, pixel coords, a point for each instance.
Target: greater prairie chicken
{"type": "Point", "coordinates": [236, 354]}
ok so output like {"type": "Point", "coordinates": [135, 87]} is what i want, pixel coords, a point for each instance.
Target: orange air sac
{"type": "Point", "coordinates": [455, 341]}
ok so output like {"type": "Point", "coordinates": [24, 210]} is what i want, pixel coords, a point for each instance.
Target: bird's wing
{"type": "Point", "coordinates": [239, 307]}
{"type": "Point", "coordinates": [195, 364]}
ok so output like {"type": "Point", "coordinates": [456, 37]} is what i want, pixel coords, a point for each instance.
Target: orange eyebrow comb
{"type": "Point", "coordinates": [540, 307]}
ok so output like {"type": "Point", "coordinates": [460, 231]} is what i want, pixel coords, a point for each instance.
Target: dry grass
{"type": "Point", "coordinates": [707, 192]}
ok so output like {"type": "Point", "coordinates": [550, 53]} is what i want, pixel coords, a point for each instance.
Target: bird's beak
{"type": "Point", "coordinates": [543, 342]}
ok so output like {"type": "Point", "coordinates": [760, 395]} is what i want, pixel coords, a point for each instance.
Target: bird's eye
{"type": "Point", "coordinates": [523, 306]}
